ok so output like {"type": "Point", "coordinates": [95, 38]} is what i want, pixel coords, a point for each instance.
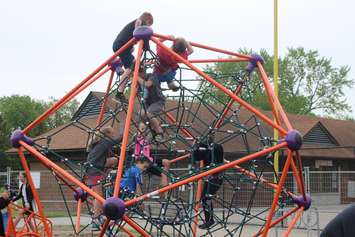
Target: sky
{"type": "Point", "coordinates": [47, 47]}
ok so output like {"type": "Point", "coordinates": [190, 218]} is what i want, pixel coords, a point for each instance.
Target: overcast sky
{"type": "Point", "coordinates": [47, 47]}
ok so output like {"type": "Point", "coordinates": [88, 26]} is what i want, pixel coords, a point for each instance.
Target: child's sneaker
{"type": "Point", "coordinates": [119, 71]}
{"type": "Point", "coordinates": [173, 86]}
{"type": "Point", "coordinates": [117, 65]}
{"type": "Point", "coordinates": [206, 225]}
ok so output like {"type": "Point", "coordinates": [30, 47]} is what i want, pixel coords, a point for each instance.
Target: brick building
{"type": "Point", "coordinates": [329, 147]}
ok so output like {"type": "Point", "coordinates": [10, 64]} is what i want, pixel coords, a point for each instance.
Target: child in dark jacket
{"type": "Point", "coordinates": [210, 152]}
{"type": "Point", "coordinates": [154, 102]}
{"type": "Point", "coordinates": [99, 164]}
{"type": "Point", "coordinates": [126, 56]}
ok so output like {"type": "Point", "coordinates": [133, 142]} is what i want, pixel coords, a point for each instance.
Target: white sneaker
{"type": "Point", "coordinates": [173, 86]}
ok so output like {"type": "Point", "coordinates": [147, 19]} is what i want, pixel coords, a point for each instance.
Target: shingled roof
{"type": "Point", "coordinates": [338, 136]}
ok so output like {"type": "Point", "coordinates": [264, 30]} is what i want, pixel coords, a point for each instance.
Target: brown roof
{"type": "Point", "coordinates": [73, 136]}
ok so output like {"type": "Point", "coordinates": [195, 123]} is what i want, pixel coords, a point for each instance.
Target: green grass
{"type": "Point", "coordinates": [52, 214]}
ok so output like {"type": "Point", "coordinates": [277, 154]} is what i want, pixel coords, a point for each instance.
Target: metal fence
{"type": "Point", "coordinates": [330, 191]}
{"type": "Point", "coordinates": [326, 187]}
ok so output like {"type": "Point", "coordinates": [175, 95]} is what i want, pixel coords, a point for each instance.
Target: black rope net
{"type": "Point", "coordinates": [236, 198]}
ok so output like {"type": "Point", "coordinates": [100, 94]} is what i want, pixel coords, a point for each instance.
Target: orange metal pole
{"type": "Point", "coordinates": [199, 183]}
{"type": "Point", "coordinates": [56, 105]}
{"type": "Point", "coordinates": [87, 84]}
{"type": "Point", "coordinates": [104, 104]}
{"type": "Point", "coordinates": [78, 213]}
{"type": "Point", "coordinates": [293, 222]}
{"type": "Point", "coordinates": [206, 173]}
{"type": "Point", "coordinates": [207, 47]}
{"type": "Point", "coordinates": [129, 222]}
{"type": "Point", "coordinates": [230, 103]}
{"type": "Point", "coordinates": [173, 120]}
{"type": "Point", "coordinates": [51, 165]}
{"type": "Point", "coordinates": [198, 198]}
{"type": "Point", "coordinates": [270, 96]}
{"type": "Point", "coordinates": [273, 96]}
{"type": "Point", "coordinates": [278, 220]}
{"type": "Point", "coordinates": [277, 194]}
{"type": "Point", "coordinates": [135, 226]}
{"type": "Point", "coordinates": [128, 120]}
{"type": "Point", "coordinates": [225, 60]}
{"type": "Point", "coordinates": [244, 171]}
{"type": "Point", "coordinates": [300, 171]}
{"type": "Point", "coordinates": [222, 88]}
{"type": "Point", "coordinates": [180, 158]}
{"type": "Point", "coordinates": [104, 227]}
{"type": "Point", "coordinates": [250, 174]}
{"type": "Point", "coordinates": [10, 223]}
{"type": "Point", "coordinates": [127, 231]}
{"type": "Point", "coordinates": [121, 227]}
{"type": "Point", "coordinates": [68, 176]}
{"type": "Point", "coordinates": [299, 181]}
{"type": "Point", "coordinates": [33, 188]}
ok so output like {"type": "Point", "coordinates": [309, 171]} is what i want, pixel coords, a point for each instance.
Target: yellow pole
{"type": "Point", "coordinates": [276, 77]}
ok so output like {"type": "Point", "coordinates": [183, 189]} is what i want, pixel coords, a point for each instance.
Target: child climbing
{"type": "Point", "coordinates": [126, 56]}
{"type": "Point", "coordinates": [154, 102]}
{"type": "Point", "coordinates": [98, 164]}
{"type": "Point", "coordinates": [167, 65]}
{"type": "Point", "coordinates": [132, 178]}
{"type": "Point", "coordinates": [210, 152]}
{"type": "Point", "coordinates": [142, 148]}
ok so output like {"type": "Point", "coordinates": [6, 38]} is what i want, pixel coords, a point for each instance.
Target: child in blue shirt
{"type": "Point", "coordinates": [132, 178]}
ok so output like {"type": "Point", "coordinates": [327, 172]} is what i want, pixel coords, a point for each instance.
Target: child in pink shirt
{"type": "Point", "coordinates": [142, 148]}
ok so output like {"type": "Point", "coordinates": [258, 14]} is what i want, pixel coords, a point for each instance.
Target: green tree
{"type": "Point", "coordinates": [4, 132]}
{"type": "Point", "coordinates": [63, 115]}
{"type": "Point", "coordinates": [308, 83]}
{"type": "Point", "coordinates": [19, 111]}
{"type": "Point", "coordinates": [4, 145]}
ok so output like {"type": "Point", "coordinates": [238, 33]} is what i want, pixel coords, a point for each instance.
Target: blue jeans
{"type": "Point", "coordinates": [167, 76]}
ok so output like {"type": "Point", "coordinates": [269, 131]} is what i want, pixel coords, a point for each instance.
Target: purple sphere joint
{"type": "Point", "coordinates": [294, 140]}
{"type": "Point", "coordinates": [302, 202]}
{"type": "Point", "coordinates": [80, 194]}
{"type": "Point", "coordinates": [116, 63]}
{"type": "Point", "coordinates": [114, 208]}
{"type": "Point", "coordinates": [253, 63]}
{"type": "Point", "coordinates": [18, 136]}
{"type": "Point", "coordinates": [143, 33]}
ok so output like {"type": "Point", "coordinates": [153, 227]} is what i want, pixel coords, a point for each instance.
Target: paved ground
{"type": "Point", "coordinates": [316, 218]}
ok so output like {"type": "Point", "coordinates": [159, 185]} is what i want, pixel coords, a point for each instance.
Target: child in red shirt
{"type": "Point", "coordinates": [167, 64]}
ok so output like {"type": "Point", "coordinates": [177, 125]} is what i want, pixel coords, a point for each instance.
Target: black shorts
{"type": "Point", "coordinates": [155, 168]}
{"type": "Point", "coordinates": [155, 108]}
{"type": "Point", "coordinates": [126, 56]}
{"type": "Point", "coordinates": [211, 187]}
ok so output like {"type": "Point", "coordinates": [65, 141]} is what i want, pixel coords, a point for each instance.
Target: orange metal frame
{"type": "Point", "coordinates": [104, 68]}
{"type": "Point", "coordinates": [27, 229]}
